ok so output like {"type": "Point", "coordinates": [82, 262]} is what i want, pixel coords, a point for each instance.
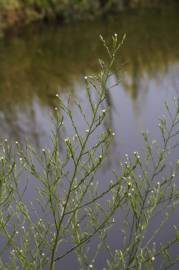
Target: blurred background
{"type": "Point", "coordinates": [37, 60]}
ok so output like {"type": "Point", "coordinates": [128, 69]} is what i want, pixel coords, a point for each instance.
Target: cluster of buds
{"type": "Point", "coordinates": [136, 154]}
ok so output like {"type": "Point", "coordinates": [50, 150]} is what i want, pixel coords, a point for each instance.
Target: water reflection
{"type": "Point", "coordinates": [44, 59]}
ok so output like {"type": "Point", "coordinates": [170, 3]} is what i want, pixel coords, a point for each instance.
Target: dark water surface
{"type": "Point", "coordinates": [46, 59]}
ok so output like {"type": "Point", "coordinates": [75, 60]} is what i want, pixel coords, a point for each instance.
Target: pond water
{"type": "Point", "coordinates": [37, 63]}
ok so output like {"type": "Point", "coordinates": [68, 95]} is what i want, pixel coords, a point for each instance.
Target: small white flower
{"type": "Point", "coordinates": [104, 111]}
{"type": "Point", "coordinates": [87, 130]}
{"type": "Point", "coordinates": [23, 227]}
{"type": "Point", "coordinates": [20, 159]}
{"type": "Point", "coordinates": [57, 95]}
{"type": "Point", "coordinates": [85, 77]}
{"type": "Point", "coordinates": [113, 134]}
{"type": "Point", "coordinates": [5, 140]}
{"type": "Point", "coordinates": [43, 254]}
{"type": "Point", "coordinates": [17, 232]}
{"type": "Point", "coordinates": [55, 108]}
{"type": "Point", "coordinates": [17, 142]}
{"type": "Point", "coordinates": [43, 150]}
{"type": "Point", "coordinates": [115, 34]}
{"type": "Point", "coordinates": [153, 258]}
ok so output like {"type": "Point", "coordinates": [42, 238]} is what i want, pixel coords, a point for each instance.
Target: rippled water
{"type": "Point", "coordinates": [46, 59]}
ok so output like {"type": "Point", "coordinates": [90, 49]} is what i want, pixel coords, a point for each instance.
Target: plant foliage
{"type": "Point", "coordinates": [70, 207]}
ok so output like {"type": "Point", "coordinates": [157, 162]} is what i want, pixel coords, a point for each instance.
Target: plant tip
{"type": "Point", "coordinates": [66, 140]}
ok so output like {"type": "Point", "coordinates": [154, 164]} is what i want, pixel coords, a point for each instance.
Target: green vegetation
{"type": "Point", "coordinates": [13, 12]}
{"type": "Point", "coordinates": [71, 206]}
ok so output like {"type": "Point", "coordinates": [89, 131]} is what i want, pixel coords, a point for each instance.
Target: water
{"type": "Point", "coordinates": [37, 63]}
